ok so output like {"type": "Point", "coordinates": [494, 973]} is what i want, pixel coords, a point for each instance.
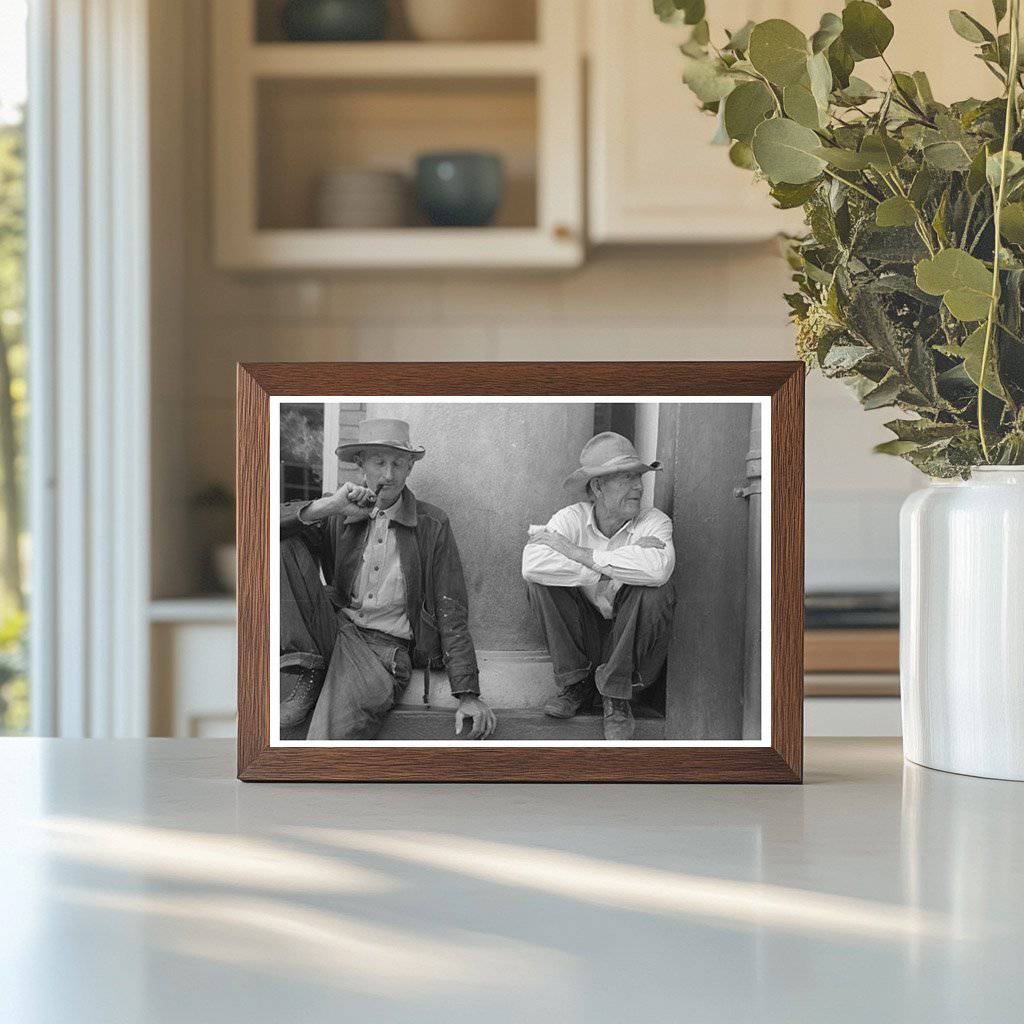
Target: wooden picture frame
{"type": "Point", "coordinates": [778, 758]}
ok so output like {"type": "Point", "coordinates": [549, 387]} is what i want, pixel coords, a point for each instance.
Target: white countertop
{"type": "Point", "coordinates": [140, 882]}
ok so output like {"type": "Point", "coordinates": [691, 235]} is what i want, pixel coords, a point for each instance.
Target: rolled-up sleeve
{"type": "Point", "coordinates": [641, 566]}
{"type": "Point", "coordinates": [550, 568]}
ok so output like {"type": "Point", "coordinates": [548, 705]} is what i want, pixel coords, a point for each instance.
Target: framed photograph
{"type": "Point", "coordinates": [510, 572]}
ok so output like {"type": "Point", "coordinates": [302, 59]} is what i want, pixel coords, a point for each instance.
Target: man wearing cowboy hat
{"type": "Point", "coordinates": [598, 577]}
{"type": "Point", "coordinates": [394, 592]}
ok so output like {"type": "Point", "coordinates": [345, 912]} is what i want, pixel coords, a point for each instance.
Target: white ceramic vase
{"type": "Point", "coordinates": [962, 624]}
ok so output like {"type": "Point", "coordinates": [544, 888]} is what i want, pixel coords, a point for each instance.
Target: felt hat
{"type": "Point", "coordinates": [392, 434]}
{"type": "Point", "coordinates": [605, 454]}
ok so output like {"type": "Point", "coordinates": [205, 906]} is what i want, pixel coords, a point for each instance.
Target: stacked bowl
{"type": "Point", "coordinates": [362, 197]}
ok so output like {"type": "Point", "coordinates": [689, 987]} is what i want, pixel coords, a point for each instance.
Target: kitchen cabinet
{"type": "Point", "coordinates": [654, 177]}
{"type": "Point", "coordinates": [288, 114]}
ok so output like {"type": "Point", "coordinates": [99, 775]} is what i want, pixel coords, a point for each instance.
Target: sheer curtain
{"type": "Point", "coordinates": [88, 301]}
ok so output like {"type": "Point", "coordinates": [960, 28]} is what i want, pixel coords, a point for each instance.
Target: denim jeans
{"type": "Point", "coordinates": [364, 671]}
{"type": "Point", "coordinates": [624, 655]}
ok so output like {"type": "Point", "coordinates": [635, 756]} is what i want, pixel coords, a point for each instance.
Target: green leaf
{"type": "Point", "coordinates": [868, 318]}
{"type": "Point", "coordinates": [866, 29]}
{"type": "Point", "coordinates": [882, 151]}
{"type": "Point", "coordinates": [721, 136]}
{"type": "Point", "coordinates": [689, 12]}
{"type": "Point", "coordinates": [947, 156]}
{"type": "Point", "coordinates": [745, 108]}
{"type": "Point", "coordinates": [922, 185]}
{"type": "Point", "coordinates": [976, 174]}
{"type": "Point", "coordinates": [788, 196]}
{"type": "Point", "coordinates": [895, 212]}
{"type": "Point", "coordinates": [1011, 226]}
{"type": "Point", "coordinates": [739, 41]}
{"type": "Point", "coordinates": [843, 358]}
{"type": "Point", "coordinates": [666, 10]}
{"type": "Point", "coordinates": [701, 34]}
{"type": "Point", "coordinates": [971, 352]}
{"type": "Point", "coordinates": [963, 281]}
{"type": "Point", "coordinates": [829, 30]}
{"type": "Point", "coordinates": [857, 91]}
{"type": "Point", "coordinates": [693, 10]}
{"type": "Point", "coordinates": [969, 28]}
{"type": "Point", "coordinates": [921, 370]}
{"type": "Point", "coordinates": [923, 431]}
{"type": "Point", "coordinates": [905, 84]}
{"type": "Point", "coordinates": [895, 447]}
{"type": "Point", "coordinates": [939, 220]}
{"type": "Point", "coordinates": [844, 159]}
{"type": "Point", "coordinates": [779, 51]}
{"type": "Point", "coordinates": [993, 165]}
{"type": "Point", "coordinates": [840, 61]}
{"type": "Point", "coordinates": [889, 245]}
{"type": "Point", "coordinates": [741, 155]}
{"type": "Point", "coordinates": [819, 74]}
{"type": "Point", "coordinates": [885, 394]}
{"type": "Point", "coordinates": [707, 78]}
{"type": "Point", "coordinates": [924, 88]}
{"type": "Point", "coordinates": [801, 106]}
{"type": "Point", "coordinates": [786, 151]}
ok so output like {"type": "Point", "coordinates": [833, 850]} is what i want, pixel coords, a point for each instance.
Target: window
{"type": "Point", "coordinates": [14, 692]}
{"type": "Point", "coordinates": [302, 451]}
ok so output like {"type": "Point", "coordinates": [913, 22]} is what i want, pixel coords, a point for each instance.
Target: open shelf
{"type": "Point", "coordinates": [309, 127]}
{"type": "Point", "coordinates": [286, 114]}
{"type": "Point", "coordinates": [520, 23]}
{"type": "Point", "coordinates": [391, 60]}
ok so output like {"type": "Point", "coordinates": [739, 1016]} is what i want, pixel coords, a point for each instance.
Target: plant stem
{"type": "Point", "coordinates": [853, 185]}
{"type": "Point", "coordinates": [907, 99]}
{"type": "Point", "coordinates": [1011, 107]}
{"type": "Point", "coordinates": [768, 86]}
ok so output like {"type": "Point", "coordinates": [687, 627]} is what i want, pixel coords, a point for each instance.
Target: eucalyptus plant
{"type": "Point", "coordinates": [910, 277]}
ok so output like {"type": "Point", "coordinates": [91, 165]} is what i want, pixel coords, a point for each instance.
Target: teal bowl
{"type": "Point", "coordinates": [460, 189]}
{"type": "Point", "coordinates": [334, 21]}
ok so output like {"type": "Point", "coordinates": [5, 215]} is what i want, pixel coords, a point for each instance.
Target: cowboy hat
{"type": "Point", "coordinates": [605, 454]}
{"type": "Point", "coordinates": [392, 434]}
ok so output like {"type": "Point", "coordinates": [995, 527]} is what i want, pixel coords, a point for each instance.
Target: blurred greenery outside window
{"type": "Point", "coordinates": [14, 538]}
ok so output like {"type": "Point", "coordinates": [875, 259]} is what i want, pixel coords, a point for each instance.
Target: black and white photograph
{"type": "Point", "coordinates": [519, 571]}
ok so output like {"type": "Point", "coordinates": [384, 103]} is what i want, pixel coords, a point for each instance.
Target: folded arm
{"type": "Point", "coordinates": [544, 565]}
{"type": "Point", "coordinates": [639, 565]}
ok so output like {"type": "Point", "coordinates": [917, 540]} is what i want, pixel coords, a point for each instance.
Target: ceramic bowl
{"type": "Point", "coordinates": [332, 21]}
{"type": "Point", "coordinates": [470, 20]}
{"type": "Point", "coordinates": [460, 189]}
{"type": "Point", "coordinates": [359, 197]}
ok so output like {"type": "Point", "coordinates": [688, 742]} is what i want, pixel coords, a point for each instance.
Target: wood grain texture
{"type": "Point", "coordinates": [781, 762]}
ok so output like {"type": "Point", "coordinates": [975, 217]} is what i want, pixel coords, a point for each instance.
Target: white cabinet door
{"type": "Point", "coordinates": [654, 177]}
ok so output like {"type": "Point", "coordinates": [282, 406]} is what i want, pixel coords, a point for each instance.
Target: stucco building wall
{"type": "Point", "coordinates": [495, 468]}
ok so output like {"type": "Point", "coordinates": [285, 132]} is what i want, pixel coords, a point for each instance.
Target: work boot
{"type": "Point", "coordinates": [619, 723]}
{"type": "Point", "coordinates": [567, 703]}
{"type": "Point", "coordinates": [299, 692]}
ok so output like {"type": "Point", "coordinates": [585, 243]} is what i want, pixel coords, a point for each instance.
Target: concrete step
{"type": "Point", "coordinates": [408, 722]}
{"type": "Point", "coordinates": [508, 679]}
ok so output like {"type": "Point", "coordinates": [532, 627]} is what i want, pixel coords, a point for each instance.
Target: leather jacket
{"type": "Point", "coordinates": [435, 585]}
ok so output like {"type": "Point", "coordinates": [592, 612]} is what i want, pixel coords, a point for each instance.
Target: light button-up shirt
{"type": "Point", "coordinates": [617, 559]}
{"type": "Point", "coordinates": [378, 597]}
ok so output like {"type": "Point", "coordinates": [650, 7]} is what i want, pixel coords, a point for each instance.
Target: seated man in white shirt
{"type": "Point", "coordinates": [598, 577]}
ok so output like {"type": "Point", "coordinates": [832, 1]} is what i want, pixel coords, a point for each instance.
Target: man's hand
{"type": "Point", "coordinates": [483, 718]}
{"type": "Point", "coordinates": [649, 542]}
{"type": "Point", "coordinates": [564, 546]}
{"type": "Point", "coordinates": [348, 500]}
